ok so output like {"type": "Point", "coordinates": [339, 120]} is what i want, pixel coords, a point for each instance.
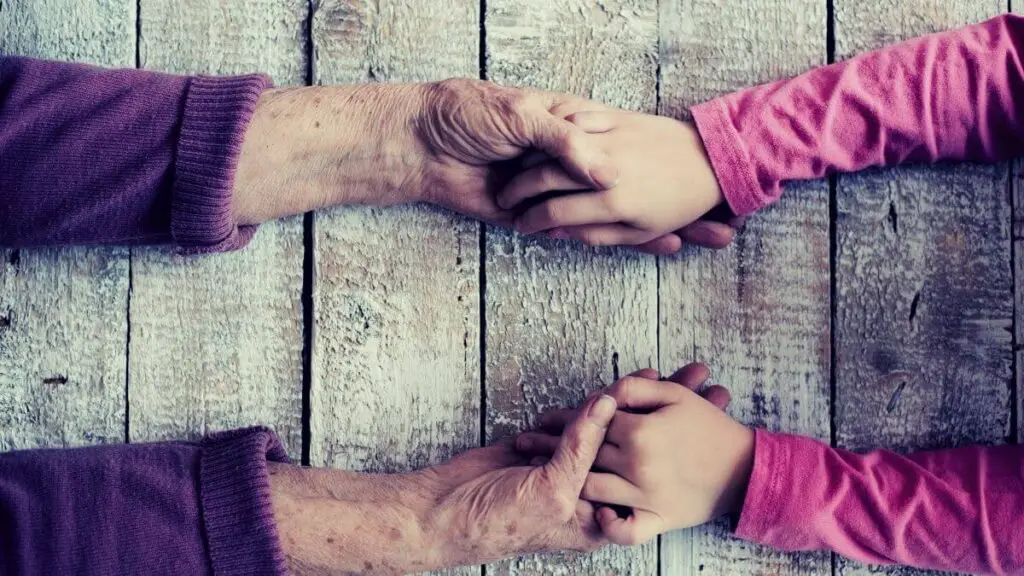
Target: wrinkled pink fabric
{"type": "Point", "coordinates": [960, 510]}
{"type": "Point", "coordinates": [947, 96]}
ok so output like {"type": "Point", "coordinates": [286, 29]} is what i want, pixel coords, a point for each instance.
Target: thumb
{"type": "Point", "coordinates": [575, 151]}
{"type": "Point", "coordinates": [577, 449]}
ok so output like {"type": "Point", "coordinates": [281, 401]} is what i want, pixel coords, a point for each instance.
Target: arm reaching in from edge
{"type": "Point", "coordinates": [956, 95]}
{"type": "Point", "coordinates": [96, 156]}
{"type": "Point", "coordinates": [678, 460]}
{"type": "Point", "coordinates": [231, 504]}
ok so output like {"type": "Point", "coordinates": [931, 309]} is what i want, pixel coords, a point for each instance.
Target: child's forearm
{"type": "Point", "coordinates": [952, 96]}
{"type": "Point", "coordinates": [957, 510]}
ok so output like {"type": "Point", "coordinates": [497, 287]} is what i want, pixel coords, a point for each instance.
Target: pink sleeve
{"type": "Point", "coordinates": [957, 510]}
{"type": "Point", "coordinates": [947, 96]}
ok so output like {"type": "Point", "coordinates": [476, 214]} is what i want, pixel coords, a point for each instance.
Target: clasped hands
{"type": "Point", "coordinates": [541, 163]}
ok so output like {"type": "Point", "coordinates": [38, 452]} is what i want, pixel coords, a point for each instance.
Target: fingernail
{"type": "Point", "coordinates": [523, 443]}
{"type": "Point", "coordinates": [605, 175]}
{"type": "Point", "coordinates": [604, 408]}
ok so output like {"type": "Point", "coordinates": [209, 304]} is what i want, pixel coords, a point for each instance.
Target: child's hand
{"type": "Point", "coordinates": [665, 182]}
{"type": "Point", "coordinates": [671, 455]}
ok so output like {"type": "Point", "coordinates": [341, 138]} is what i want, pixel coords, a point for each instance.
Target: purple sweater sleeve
{"type": "Point", "coordinates": [952, 96]}
{"type": "Point", "coordinates": [169, 508]}
{"type": "Point", "coordinates": [97, 156]}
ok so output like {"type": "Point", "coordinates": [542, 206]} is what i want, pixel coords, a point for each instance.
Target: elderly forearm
{"type": "Point", "coordinates": [96, 156]}
{"type": "Point", "coordinates": [309, 148]}
{"type": "Point", "coordinates": [332, 521]}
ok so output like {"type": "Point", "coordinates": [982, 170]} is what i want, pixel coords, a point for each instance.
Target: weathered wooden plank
{"type": "Point", "coordinates": [924, 288]}
{"type": "Point", "coordinates": [758, 312]}
{"type": "Point", "coordinates": [63, 312]}
{"type": "Point", "coordinates": [216, 342]}
{"type": "Point", "coordinates": [396, 372]}
{"type": "Point", "coordinates": [561, 318]}
{"type": "Point", "coordinates": [98, 32]}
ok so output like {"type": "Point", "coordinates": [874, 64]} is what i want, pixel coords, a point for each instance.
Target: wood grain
{"type": "Point", "coordinates": [757, 312]}
{"type": "Point", "coordinates": [63, 312]}
{"type": "Point", "coordinates": [396, 342]}
{"type": "Point", "coordinates": [562, 319]}
{"type": "Point", "coordinates": [924, 288]}
{"type": "Point", "coordinates": [216, 341]}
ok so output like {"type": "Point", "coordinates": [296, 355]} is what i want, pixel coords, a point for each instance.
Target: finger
{"type": "Point", "coordinates": [539, 460]}
{"type": "Point", "coordinates": [575, 150]}
{"type": "Point", "coordinates": [532, 159]}
{"type": "Point", "coordinates": [579, 444]}
{"type": "Point", "coordinates": [556, 420]}
{"type": "Point", "coordinates": [537, 181]}
{"type": "Point", "coordinates": [649, 373]}
{"type": "Point", "coordinates": [621, 428]}
{"type": "Point", "coordinates": [569, 106]}
{"type": "Point", "coordinates": [718, 395]}
{"type": "Point", "coordinates": [637, 528]}
{"type": "Point", "coordinates": [642, 393]}
{"type": "Point", "coordinates": [662, 245]}
{"type": "Point", "coordinates": [691, 376]}
{"type": "Point", "coordinates": [714, 235]}
{"type": "Point", "coordinates": [565, 212]}
{"type": "Point", "coordinates": [611, 489]}
{"type": "Point", "coordinates": [604, 234]}
{"type": "Point", "coordinates": [537, 443]}
{"type": "Point", "coordinates": [611, 458]}
{"type": "Point", "coordinates": [593, 122]}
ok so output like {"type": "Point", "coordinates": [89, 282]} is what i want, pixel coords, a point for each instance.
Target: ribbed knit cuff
{"type": "Point", "coordinates": [217, 113]}
{"type": "Point", "coordinates": [729, 159]}
{"type": "Point", "coordinates": [234, 489]}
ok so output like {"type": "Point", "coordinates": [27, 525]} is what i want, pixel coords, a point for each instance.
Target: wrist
{"type": "Point", "coordinates": [703, 181]}
{"type": "Point", "coordinates": [332, 520]}
{"type": "Point", "coordinates": [742, 469]}
{"type": "Point", "coordinates": [313, 147]}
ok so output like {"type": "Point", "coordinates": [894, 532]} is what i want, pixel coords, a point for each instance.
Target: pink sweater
{"type": "Point", "coordinates": [946, 96]}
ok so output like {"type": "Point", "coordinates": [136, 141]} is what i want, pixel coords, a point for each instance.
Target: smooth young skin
{"type": "Point", "coordinates": [665, 184]}
{"type": "Point", "coordinates": [453, 143]}
{"type": "Point", "coordinates": [484, 505]}
{"type": "Point", "coordinates": [672, 455]}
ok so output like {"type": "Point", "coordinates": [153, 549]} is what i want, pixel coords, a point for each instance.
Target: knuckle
{"type": "Point", "coordinates": [453, 89]}
{"type": "Point", "coordinates": [549, 176]}
{"type": "Point", "coordinates": [624, 390]}
{"type": "Point", "coordinates": [518, 103]}
{"type": "Point", "coordinates": [551, 213]}
{"type": "Point", "coordinates": [592, 238]}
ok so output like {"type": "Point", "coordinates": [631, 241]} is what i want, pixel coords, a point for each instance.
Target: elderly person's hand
{"type": "Point", "coordinates": [454, 143]}
{"type": "Point", "coordinates": [483, 505]}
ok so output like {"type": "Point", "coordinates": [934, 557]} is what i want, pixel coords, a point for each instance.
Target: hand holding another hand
{"type": "Point", "coordinates": [665, 186]}
{"type": "Point", "coordinates": [671, 455]}
{"type": "Point", "coordinates": [457, 143]}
